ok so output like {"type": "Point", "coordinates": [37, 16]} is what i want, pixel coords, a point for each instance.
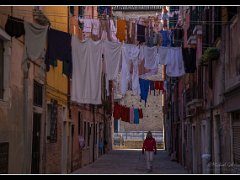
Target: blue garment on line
{"type": "Point", "coordinates": [144, 88]}
{"type": "Point", "coordinates": [165, 37]}
{"type": "Point", "coordinates": [136, 116]}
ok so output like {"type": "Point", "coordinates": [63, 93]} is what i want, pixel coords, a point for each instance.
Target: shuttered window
{"type": "Point", "coordinates": [236, 137]}
{"type": "Point", "coordinates": [1, 69]}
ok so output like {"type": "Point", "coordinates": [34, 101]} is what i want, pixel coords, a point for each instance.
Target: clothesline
{"type": "Point", "coordinates": [114, 31]}
{"type": "Point", "coordinates": [56, 15]}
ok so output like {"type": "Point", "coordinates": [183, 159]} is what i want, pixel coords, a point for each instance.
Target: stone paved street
{"type": "Point", "coordinates": [131, 162]}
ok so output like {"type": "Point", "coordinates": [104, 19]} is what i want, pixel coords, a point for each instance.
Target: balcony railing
{"type": "Point", "coordinates": [137, 8]}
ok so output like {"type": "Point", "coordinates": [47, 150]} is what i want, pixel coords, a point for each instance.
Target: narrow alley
{"type": "Point", "coordinates": [93, 89]}
{"type": "Point", "coordinates": [131, 161]}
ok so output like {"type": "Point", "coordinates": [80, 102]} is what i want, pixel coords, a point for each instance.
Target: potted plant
{"type": "Point", "coordinates": [203, 60]}
{"type": "Point", "coordinates": [212, 53]}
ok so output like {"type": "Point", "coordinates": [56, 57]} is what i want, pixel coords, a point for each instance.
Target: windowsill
{"type": "Point", "coordinates": [3, 103]}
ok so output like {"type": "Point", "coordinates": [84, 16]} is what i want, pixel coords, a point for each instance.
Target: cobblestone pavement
{"type": "Point", "coordinates": [131, 162]}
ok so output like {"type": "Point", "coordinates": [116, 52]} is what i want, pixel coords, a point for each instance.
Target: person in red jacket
{"type": "Point", "coordinates": [150, 148]}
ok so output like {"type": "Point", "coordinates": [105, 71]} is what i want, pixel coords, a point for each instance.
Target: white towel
{"type": "Point", "coordinates": [150, 57]}
{"type": "Point", "coordinates": [112, 57]}
{"type": "Point", "coordinates": [175, 65]}
{"type": "Point", "coordinates": [86, 72]}
{"type": "Point", "coordinates": [163, 55]}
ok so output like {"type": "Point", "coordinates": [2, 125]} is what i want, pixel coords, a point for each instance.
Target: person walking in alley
{"type": "Point", "coordinates": [150, 148]}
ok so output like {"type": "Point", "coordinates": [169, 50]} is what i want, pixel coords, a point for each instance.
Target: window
{"type": "Point", "coordinates": [1, 68]}
{"type": "Point", "coordinates": [71, 10]}
{"type": "Point", "coordinates": [79, 123]}
{"type": "Point", "coordinates": [52, 122]}
{"type": "Point", "coordinates": [85, 131]}
{"type": "Point", "coordinates": [81, 11]}
{"type": "Point", "coordinates": [234, 52]}
{"type": "Point", "coordinates": [37, 94]}
{"type": "Point", "coordinates": [89, 132]}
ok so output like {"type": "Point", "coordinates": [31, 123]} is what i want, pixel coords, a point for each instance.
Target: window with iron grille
{"type": "Point", "coordinates": [4, 148]}
{"type": "Point", "coordinates": [1, 68]}
{"type": "Point", "coordinates": [52, 122]}
{"type": "Point", "coordinates": [79, 123]}
{"type": "Point", "coordinates": [89, 133]}
{"type": "Point", "coordinates": [37, 94]}
{"type": "Point", "coordinates": [85, 131]}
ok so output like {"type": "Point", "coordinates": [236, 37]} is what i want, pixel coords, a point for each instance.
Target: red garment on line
{"type": "Point", "coordinates": [140, 113]}
{"type": "Point", "coordinates": [117, 111]}
{"type": "Point", "coordinates": [158, 85]}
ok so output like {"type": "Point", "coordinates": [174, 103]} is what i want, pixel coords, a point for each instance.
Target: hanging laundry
{"type": "Point", "coordinates": [165, 36]}
{"type": "Point", "coordinates": [86, 72]}
{"type": "Point", "coordinates": [87, 24]}
{"type": "Point", "coordinates": [144, 87]}
{"type": "Point", "coordinates": [112, 56]}
{"type": "Point", "coordinates": [131, 115]}
{"type": "Point", "coordinates": [158, 85]}
{"type": "Point", "coordinates": [136, 116]}
{"type": "Point", "coordinates": [105, 29]}
{"type": "Point", "coordinates": [106, 10]}
{"type": "Point", "coordinates": [150, 57]}
{"type": "Point", "coordinates": [59, 48]}
{"type": "Point", "coordinates": [175, 65]}
{"type": "Point", "coordinates": [117, 111]}
{"type": "Point", "coordinates": [140, 113]}
{"type": "Point", "coordinates": [135, 77]}
{"type": "Point", "coordinates": [189, 58]}
{"type": "Point", "coordinates": [163, 55]}
{"type": "Point", "coordinates": [152, 87]}
{"type": "Point", "coordinates": [113, 31]}
{"type": "Point", "coordinates": [121, 34]}
{"type": "Point", "coordinates": [140, 33]}
{"type": "Point", "coordinates": [150, 42]}
{"type": "Point", "coordinates": [14, 27]}
{"type": "Point", "coordinates": [125, 114]}
{"type": "Point", "coordinates": [178, 37]}
{"type": "Point", "coordinates": [129, 53]}
{"type": "Point", "coordinates": [95, 29]}
{"type": "Point", "coordinates": [35, 41]}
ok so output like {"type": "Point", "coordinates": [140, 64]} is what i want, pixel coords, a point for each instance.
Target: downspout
{"type": "Point", "coordinates": [26, 66]}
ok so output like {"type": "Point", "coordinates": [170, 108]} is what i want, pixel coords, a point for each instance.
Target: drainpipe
{"type": "Point", "coordinates": [25, 117]}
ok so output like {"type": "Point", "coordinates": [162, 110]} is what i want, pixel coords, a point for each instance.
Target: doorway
{"type": "Point", "coordinates": [36, 143]}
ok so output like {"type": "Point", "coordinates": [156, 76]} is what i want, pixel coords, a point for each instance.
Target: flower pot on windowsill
{"type": "Point", "coordinates": [203, 61]}
{"type": "Point", "coordinates": [212, 54]}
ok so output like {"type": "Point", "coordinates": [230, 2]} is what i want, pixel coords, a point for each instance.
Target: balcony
{"type": "Point", "coordinates": [137, 8]}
